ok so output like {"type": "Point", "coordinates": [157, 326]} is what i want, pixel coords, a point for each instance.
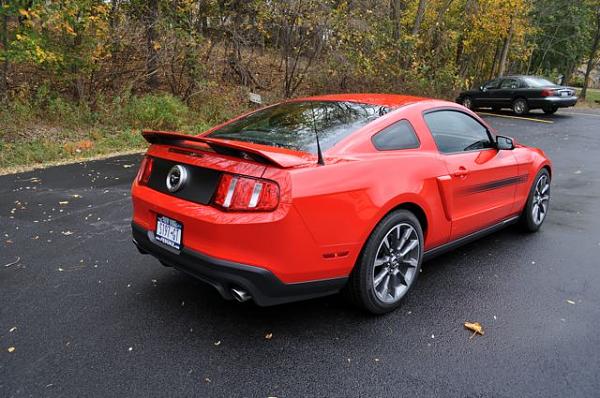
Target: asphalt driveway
{"type": "Point", "coordinates": [83, 314]}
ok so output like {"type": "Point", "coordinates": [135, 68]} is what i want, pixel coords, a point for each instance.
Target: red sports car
{"type": "Point", "coordinates": [316, 195]}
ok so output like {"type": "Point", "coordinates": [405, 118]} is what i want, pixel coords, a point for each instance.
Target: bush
{"type": "Point", "coordinates": [159, 112]}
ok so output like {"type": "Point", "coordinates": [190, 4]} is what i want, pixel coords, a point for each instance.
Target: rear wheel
{"type": "Point", "coordinates": [389, 263]}
{"type": "Point", "coordinates": [538, 202]}
{"type": "Point", "coordinates": [520, 106]}
{"type": "Point", "coordinates": [550, 110]}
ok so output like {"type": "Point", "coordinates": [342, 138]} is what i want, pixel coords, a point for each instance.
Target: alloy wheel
{"type": "Point", "coordinates": [541, 199]}
{"type": "Point", "coordinates": [467, 102]}
{"type": "Point", "coordinates": [396, 263]}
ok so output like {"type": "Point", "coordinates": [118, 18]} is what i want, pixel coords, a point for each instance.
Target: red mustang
{"type": "Point", "coordinates": [311, 196]}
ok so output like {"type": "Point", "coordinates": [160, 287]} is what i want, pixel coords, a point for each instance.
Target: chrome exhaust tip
{"type": "Point", "coordinates": [240, 295]}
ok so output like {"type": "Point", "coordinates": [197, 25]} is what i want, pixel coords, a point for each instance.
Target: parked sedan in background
{"type": "Point", "coordinates": [520, 93]}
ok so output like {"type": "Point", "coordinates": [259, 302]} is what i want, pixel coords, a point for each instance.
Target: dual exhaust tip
{"type": "Point", "coordinates": [240, 295]}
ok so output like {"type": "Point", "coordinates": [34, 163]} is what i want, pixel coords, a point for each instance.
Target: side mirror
{"type": "Point", "coordinates": [504, 143]}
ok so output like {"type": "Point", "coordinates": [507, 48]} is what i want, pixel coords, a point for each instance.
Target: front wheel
{"type": "Point", "coordinates": [520, 106]}
{"type": "Point", "coordinates": [389, 263]}
{"type": "Point", "coordinates": [467, 102]}
{"type": "Point", "coordinates": [538, 202]}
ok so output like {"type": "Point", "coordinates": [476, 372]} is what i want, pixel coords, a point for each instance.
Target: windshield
{"type": "Point", "coordinates": [291, 125]}
{"type": "Point", "coordinates": [538, 82]}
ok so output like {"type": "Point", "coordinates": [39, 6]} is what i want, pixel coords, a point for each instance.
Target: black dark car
{"type": "Point", "coordinates": [520, 93]}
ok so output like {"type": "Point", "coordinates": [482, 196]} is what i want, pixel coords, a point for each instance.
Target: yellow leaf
{"type": "Point", "coordinates": [11, 349]}
{"type": "Point", "coordinates": [23, 12]}
{"type": "Point", "coordinates": [475, 327]}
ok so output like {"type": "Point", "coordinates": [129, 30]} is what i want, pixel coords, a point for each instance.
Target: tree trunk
{"type": "Point", "coordinates": [4, 69]}
{"type": "Point", "coordinates": [506, 46]}
{"type": "Point", "coordinates": [419, 17]}
{"type": "Point", "coordinates": [591, 62]}
{"type": "Point", "coordinates": [396, 8]}
{"type": "Point", "coordinates": [150, 20]}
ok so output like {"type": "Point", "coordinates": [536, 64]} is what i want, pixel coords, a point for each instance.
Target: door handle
{"type": "Point", "coordinates": [462, 172]}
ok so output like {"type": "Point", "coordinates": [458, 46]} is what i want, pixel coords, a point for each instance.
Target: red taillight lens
{"type": "Point", "coordinates": [145, 170]}
{"type": "Point", "coordinates": [547, 92]}
{"type": "Point", "coordinates": [237, 193]}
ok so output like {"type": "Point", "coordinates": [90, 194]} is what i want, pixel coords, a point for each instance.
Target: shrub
{"type": "Point", "coordinates": [160, 112]}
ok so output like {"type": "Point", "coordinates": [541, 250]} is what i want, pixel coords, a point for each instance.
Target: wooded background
{"type": "Point", "coordinates": [83, 76]}
{"type": "Point", "coordinates": [84, 49]}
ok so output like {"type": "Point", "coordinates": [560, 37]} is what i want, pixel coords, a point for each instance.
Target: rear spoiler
{"type": "Point", "coordinates": [279, 157]}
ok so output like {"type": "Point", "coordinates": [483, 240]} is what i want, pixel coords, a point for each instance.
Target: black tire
{"type": "Point", "coordinates": [528, 218]}
{"type": "Point", "coordinates": [520, 106]}
{"type": "Point", "coordinates": [550, 111]}
{"type": "Point", "coordinates": [361, 284]}
{"type": "Point", "coordinates": [467, 102]}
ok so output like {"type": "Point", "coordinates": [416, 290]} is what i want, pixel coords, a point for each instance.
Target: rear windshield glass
{"type": "Point", "coordinates": [291, 125]}
{"type": "Point", "coordinates": [538, 82]}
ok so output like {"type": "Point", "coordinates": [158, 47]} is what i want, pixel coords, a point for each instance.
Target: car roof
{"type": "Point", "coordinates": [389, 100]}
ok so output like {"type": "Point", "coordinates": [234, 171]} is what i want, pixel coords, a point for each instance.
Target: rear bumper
{"type": "Point", "coordinates": [264, 287]}
{"type": "Point", "coordinates": [558, 102]}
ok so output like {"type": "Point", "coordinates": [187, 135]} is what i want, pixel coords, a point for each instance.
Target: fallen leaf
{"type": "Point", "coordinates": [130, 349]}
{"type": "Point", "coordinates": [64, 202]}
{"type": "Point", "coordinates": [570, 302]}
{"type": "Point", "coordinates": [207, 380]}
{"type": "Point", "coordinates": [269, 336]}
{"type": "Point", "coordinates": [11, 349]}
{"type": "Point", "coordinates": [475, 327]}
{"type": "Point", "coordinates": [218, 343]}
{"type": "Point", "coordinates": [67, 233]}
{"type": "Point", "coordinates": [13, 329]}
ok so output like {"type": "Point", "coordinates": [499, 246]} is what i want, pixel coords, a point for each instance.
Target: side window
{"type": "Point", "coordinates": [399, 135]}
{"type": "Point", "coordinates": [492, 84]}
{"type": "Point", "coordinates": [522, 84]}
{"type": "Point", "coordinates": [509, 83]}
{"type": "Point", "coordinates": [457, 132]}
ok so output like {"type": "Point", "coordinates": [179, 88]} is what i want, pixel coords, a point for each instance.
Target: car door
{"type": "Point", "coordinates": [488, 93]}
{"type": "Point", "coordinates": [482, 180]}
{"type": "Point", "coordinates": [507, 91]}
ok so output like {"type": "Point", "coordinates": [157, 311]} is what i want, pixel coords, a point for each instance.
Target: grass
{"type": "Point", "coordinates": [49, 128]}
{"type": "Point", "coordinates": [592, 97]}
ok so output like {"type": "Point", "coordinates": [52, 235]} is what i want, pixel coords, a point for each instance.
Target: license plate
{"type": "Point", "coordinates": [564, 94]}
{"type": "Point", "coordinates": [168, 231]}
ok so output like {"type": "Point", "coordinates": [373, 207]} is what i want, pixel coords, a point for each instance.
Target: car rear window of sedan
{"type": "Point", "coordinates": [537, 82]}
{"type": "Point", "coordinates": [292, 124]}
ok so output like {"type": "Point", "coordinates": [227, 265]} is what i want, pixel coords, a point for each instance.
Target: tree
{"type": "Point", "coordinates": [592, 57]}
{"type": "Point", "coordinates": [5, 61]}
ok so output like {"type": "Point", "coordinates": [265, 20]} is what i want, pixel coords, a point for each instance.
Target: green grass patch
{"type": "Point", "coordinates": [41, 150]}
{"type": "Point", "coordinates": [592, 96]}
{"type": "Point", "coordinates": [49, 128]}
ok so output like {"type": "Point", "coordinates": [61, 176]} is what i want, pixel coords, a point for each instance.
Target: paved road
{"type": "Point", "coordinates": [89, 316]}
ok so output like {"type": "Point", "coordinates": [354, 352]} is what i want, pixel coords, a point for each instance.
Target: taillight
{"type": "Point", "coordinates": [548, 93]}
{"type": "Point", "coordinates": [237, 193]}
{"type": "Point", "coordinates": [145, 170]}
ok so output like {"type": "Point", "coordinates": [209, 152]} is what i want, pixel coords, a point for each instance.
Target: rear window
{"type": "Point", "coordinates": [291, 125]}
{"type": "Point", "coordinates": [532, 81]}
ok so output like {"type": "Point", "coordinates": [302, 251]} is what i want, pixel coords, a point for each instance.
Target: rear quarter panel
{"type": "Point", "coordinates": [341, 204]}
